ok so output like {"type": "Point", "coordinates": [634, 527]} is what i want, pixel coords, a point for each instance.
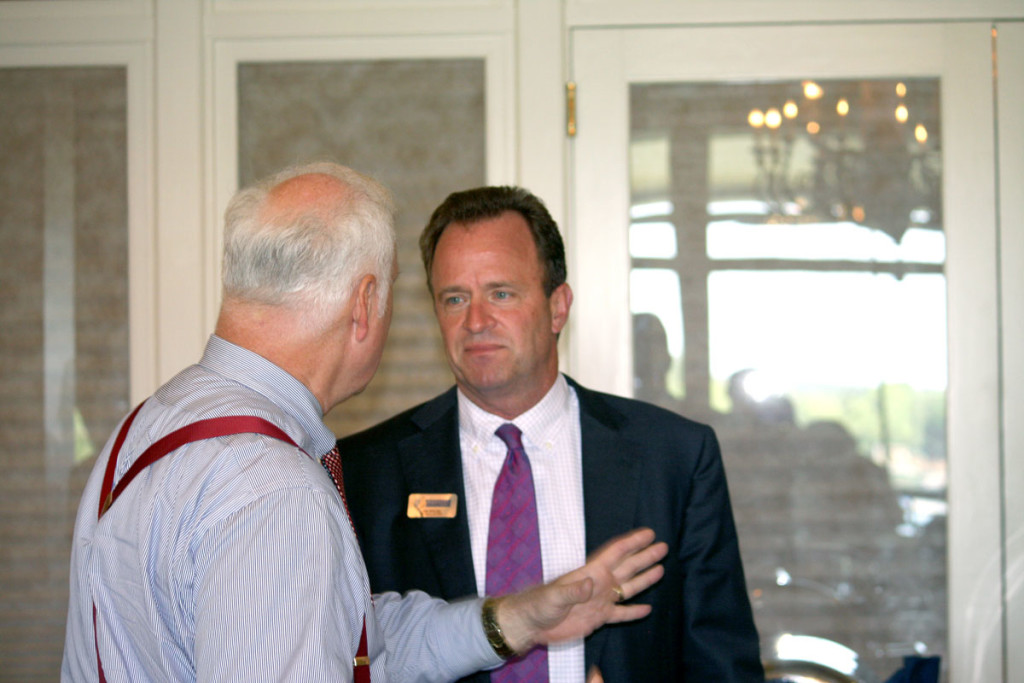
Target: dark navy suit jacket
{"type": "Point", "coordinates": [642, 466]}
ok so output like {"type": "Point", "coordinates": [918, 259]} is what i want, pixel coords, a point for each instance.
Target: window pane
{"type": "Point", "coordinates": [63, 333]}
{"type": "Point", "coordinates": [809, 252]}
{"type": "Point", "coordinates": [415, 125]}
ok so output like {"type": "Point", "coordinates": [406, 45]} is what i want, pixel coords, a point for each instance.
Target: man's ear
{"type": "Point", "coordinates": [560, 302]}
{"type": "Point", "coordinates": [364, 308]}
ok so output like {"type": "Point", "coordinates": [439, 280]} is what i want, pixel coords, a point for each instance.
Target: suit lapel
{"type": "Point", "coordinates": [611, 483]}
{"type": "Point", "coordinates": [432, 463]}
{"type": "Point", "coordinates": [611, 470]}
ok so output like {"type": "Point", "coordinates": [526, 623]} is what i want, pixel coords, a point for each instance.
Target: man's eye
{"type": "Point", "coordinates": [453, 300]}
{"type": "Point", "coordinates": [502, 295]}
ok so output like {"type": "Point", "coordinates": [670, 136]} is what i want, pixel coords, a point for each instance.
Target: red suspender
{"type": "Point", "coordinates": [361, 663]}
{"type": "Point", "coordinates": [108, 476]}
{"type": "Point", "coordinates": [197, 431]}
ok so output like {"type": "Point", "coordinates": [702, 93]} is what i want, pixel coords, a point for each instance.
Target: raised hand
{"type": "Point", "coordinates": [578, 603]}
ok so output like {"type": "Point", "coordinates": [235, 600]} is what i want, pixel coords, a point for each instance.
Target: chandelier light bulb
{"type": "Point", "coordinates": [812, 90]}
{"type": "Point", "coordinates": [921, 133]}
{"type": "Point", "coordinates": [813, 127]}
{"type": "Point", "coordinates": [755, 118]}
{"type": "Point", "coordinates": [773, 118]}
{"type": "Point", "coordinates": [902, 114]}
{"type": "Point", "coordinates": [842, 107]}
{"type": "Point", "coordinates": [901, 89]}
{"type": "Point", "coordinates": [790, 110]}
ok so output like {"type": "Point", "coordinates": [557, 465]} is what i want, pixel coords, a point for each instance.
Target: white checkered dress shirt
{"type": "Point", "coordinates": [551, 435]}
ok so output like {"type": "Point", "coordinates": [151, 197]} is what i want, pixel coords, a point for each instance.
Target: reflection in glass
{"type": "Point", "coordinates": [652, 240]}
{"type": "Point", "coordinates": [806, 260]}
{"type": "Point", "coordinates": [418, 126]}
{"type": "Point", "coordinates": [840, 241]}
{"type": "Point", "coordinates": [658, 331]}
{"type": "Point", "coordinates": [63, 333]}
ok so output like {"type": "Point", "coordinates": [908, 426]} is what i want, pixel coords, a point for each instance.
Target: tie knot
{"type": "Point", "coordinates": [511, 435]}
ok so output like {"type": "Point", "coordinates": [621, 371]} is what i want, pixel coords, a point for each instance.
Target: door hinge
{"type": "Point", "coordinates": [570, 109]}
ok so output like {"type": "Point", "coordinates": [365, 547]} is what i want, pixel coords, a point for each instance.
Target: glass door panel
{"type": "Point", "coordinates": [787, 232]}
{"type": "Point", "coordinates": [64, 342]}
{"type": "Point", "coordinates": [797, 272]}
{"type": "Point", "coordinates": [416, 125]}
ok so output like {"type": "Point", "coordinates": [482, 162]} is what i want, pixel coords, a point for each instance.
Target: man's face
{"type": "Point", "coordinates": [500, 331]}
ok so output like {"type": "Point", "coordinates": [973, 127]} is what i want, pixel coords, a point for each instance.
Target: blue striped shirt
{"type": "Point", "coordinates": [233, 559]}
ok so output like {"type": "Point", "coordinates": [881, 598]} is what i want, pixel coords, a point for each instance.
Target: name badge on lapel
{"type": "Point", "coordinates": [441, 505]}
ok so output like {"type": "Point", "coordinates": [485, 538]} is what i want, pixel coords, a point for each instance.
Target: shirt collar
{"type": "Point", "coordinates": [537, 424]}
{"type": "Point", "coordinates": [259, 374]}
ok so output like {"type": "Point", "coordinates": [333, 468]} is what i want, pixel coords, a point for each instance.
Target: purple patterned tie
{"type": "Point", "coordinates": [513, 547]}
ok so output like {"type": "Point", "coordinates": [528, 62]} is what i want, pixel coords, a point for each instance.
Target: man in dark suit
{"type": "Point", "coordinates": [600, 464]}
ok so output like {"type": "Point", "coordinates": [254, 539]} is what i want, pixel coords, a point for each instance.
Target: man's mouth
{"type": "Point", "coordinates": [481, 348]}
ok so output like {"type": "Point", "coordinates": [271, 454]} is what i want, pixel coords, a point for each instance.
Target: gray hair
{"type": "Point", "coordinates": [312, 256]}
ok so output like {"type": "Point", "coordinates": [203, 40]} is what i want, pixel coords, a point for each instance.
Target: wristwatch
{"type": "Point", "coordinates": [493, 632]}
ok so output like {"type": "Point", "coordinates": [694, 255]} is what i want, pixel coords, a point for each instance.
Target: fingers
{"type": "Point", "coordinates": [629, 554]}
{"type": "Point", "coordinates": [636, 562]}
{"type": "Point", "coordinates": [639, 583]}
{"type": "Point", "coordinates": [639, 572]}
{"type": "Point", "coordinates": [594, 675]}
{"type": "Point", "coordinates": [579, 602]}
{"type": "Point", "coordinates": [620, 547]}
{"type": "Point", "coordinates": [632, 560]}
{"type": "Point", "coordinates": [627, 613]}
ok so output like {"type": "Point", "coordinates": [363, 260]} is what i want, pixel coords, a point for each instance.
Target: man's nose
{"type": "Point", "coordinates": [478, 316]}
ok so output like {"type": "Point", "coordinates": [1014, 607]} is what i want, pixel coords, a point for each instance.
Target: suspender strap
{"type": "Point", "coordinates": [197, 431]}
{"type": "Point", "coordinates": [108, 476]}
{"type": "Point", "coordinates": [361, 663]}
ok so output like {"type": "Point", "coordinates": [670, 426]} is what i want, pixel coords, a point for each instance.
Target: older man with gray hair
{"type": "Point", "coordinates": [212, 543]}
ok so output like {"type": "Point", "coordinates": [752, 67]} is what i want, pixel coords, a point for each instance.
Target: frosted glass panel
{"type": "Point", "coordinates": [418, 126]}
{"type": "Point", "coordinates": [787, 287]}
{"type": "Point", "coordinates": [63, 334]}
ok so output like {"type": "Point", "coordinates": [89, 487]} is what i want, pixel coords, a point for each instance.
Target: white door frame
{"type": "Point", "coordinates": [606, 61]}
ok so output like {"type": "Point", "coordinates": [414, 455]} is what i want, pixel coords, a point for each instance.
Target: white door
{"type": "Point", "coordinates": [790, 233]}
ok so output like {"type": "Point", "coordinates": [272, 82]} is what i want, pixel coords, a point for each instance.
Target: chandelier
{"type": "Point", "coordinates": [866, 152]}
